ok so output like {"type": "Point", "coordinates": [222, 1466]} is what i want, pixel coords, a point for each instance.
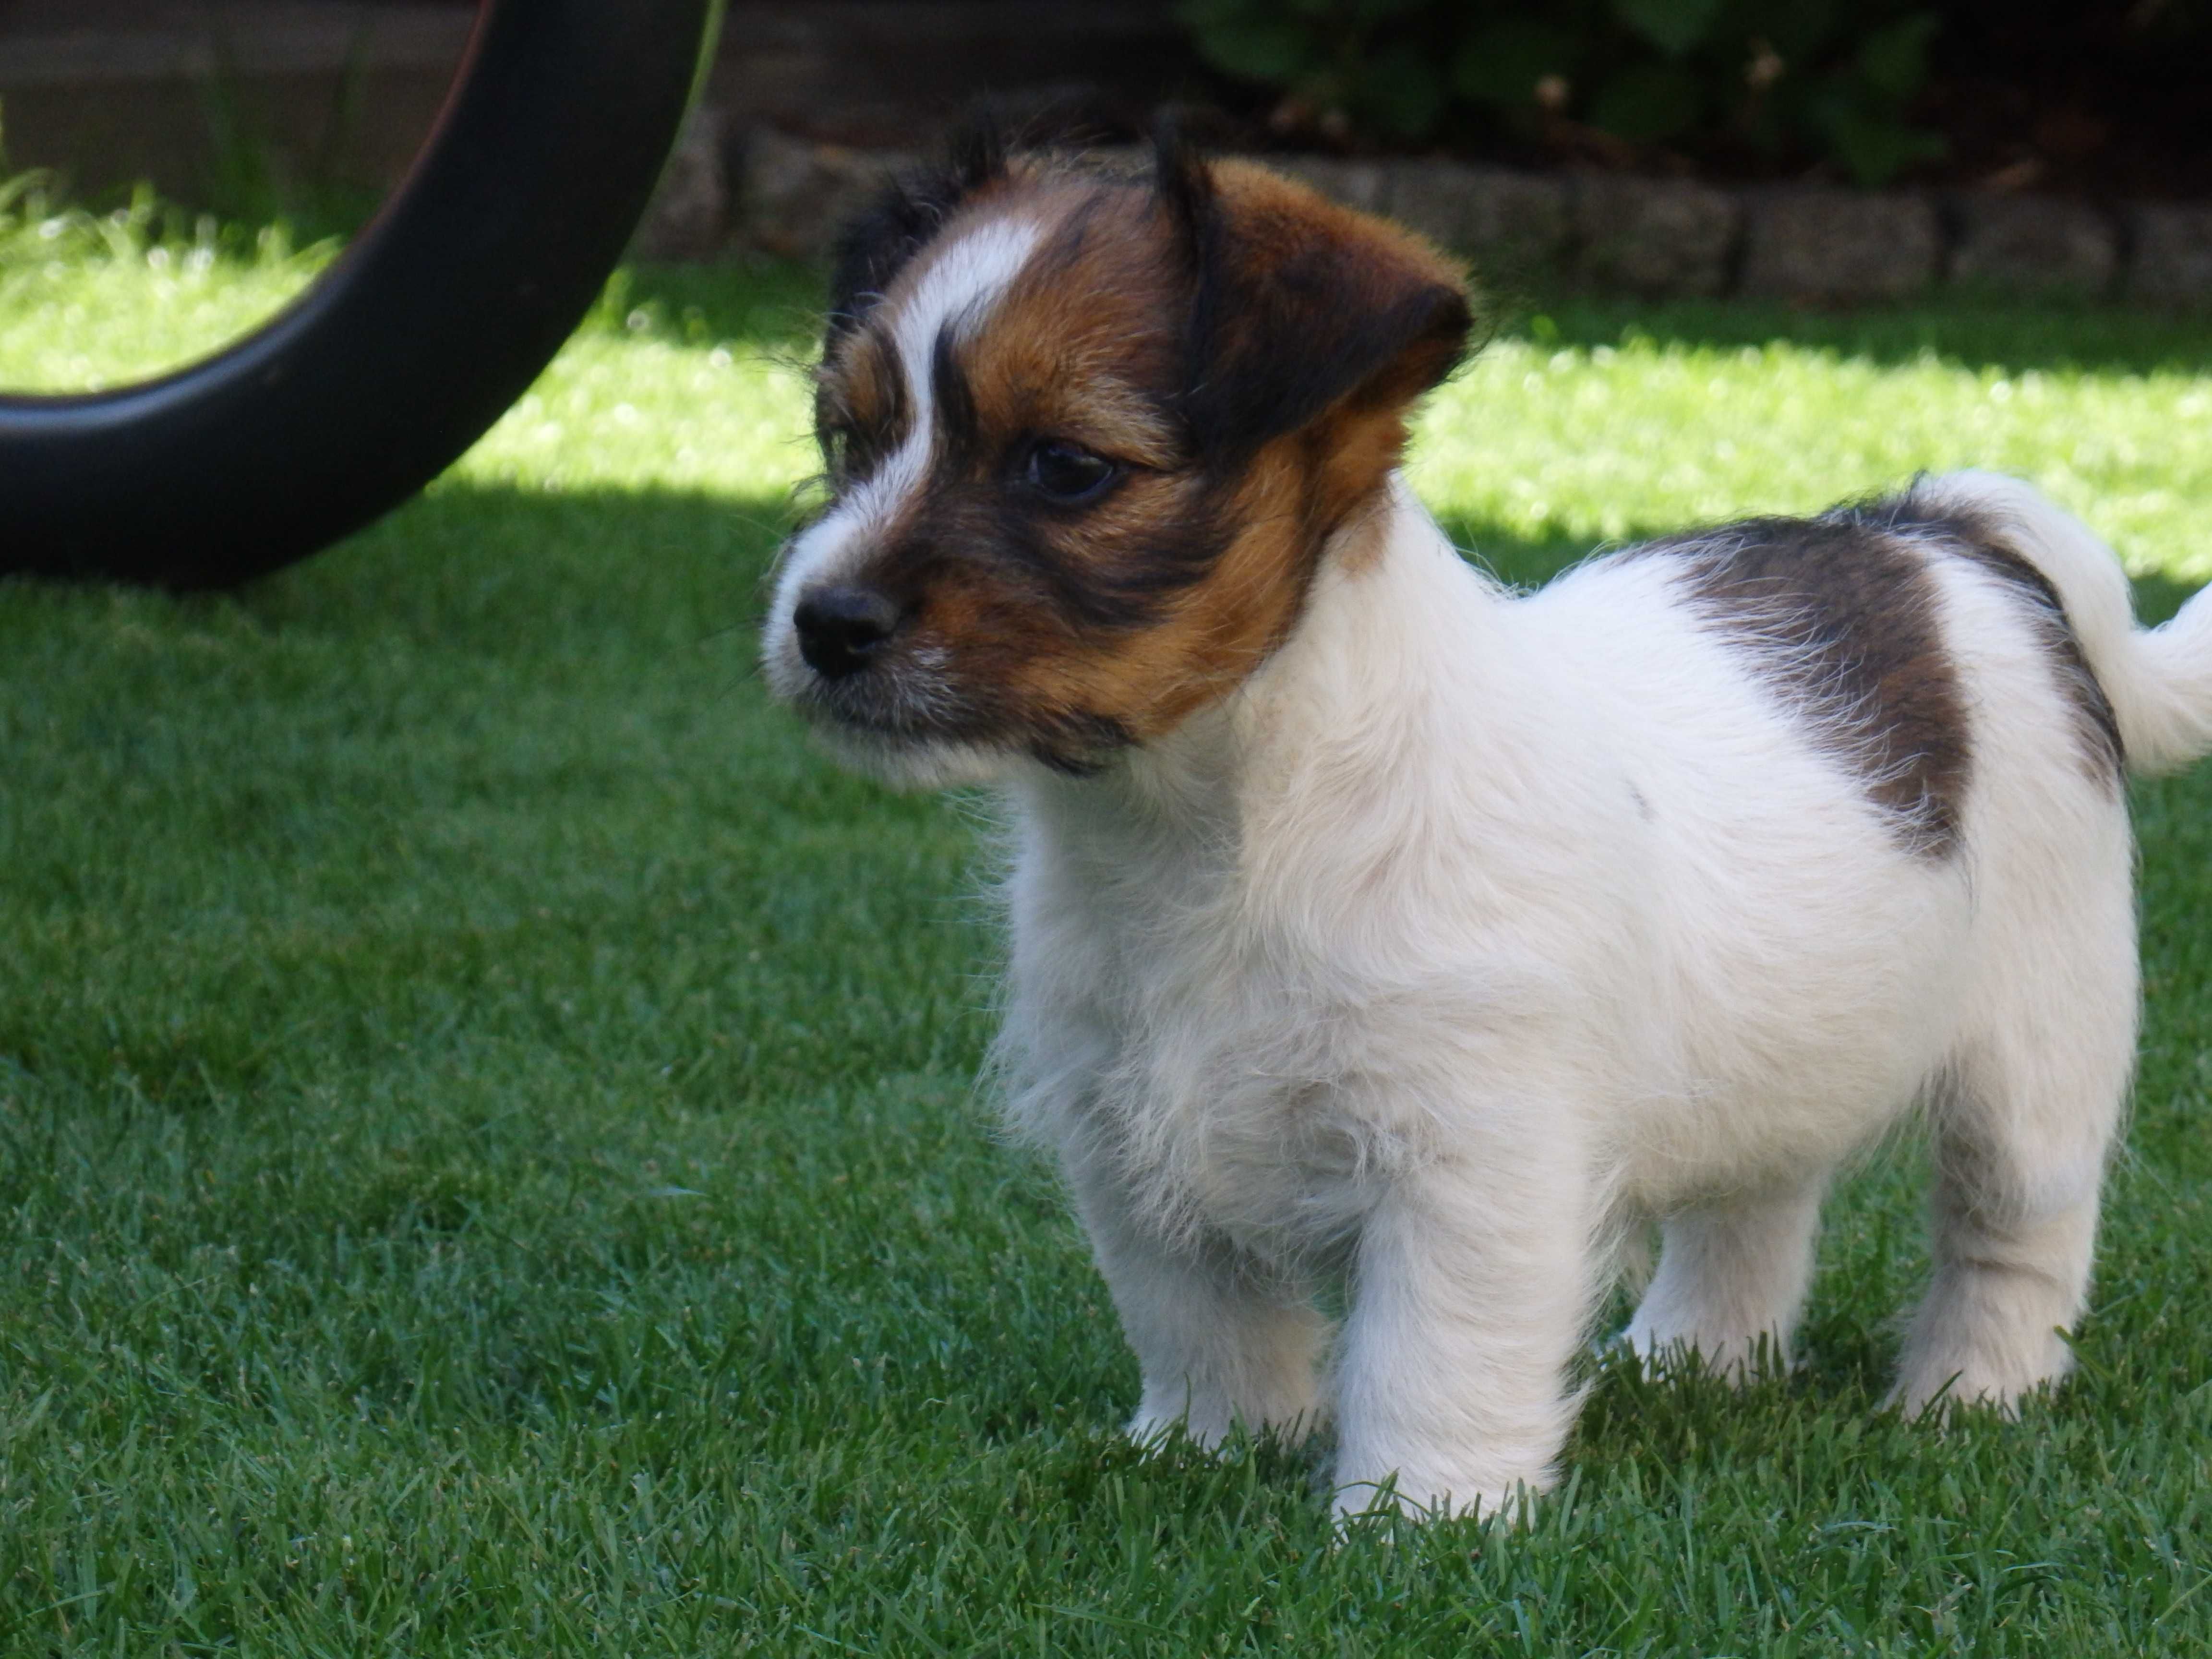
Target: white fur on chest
{"type": "Point", "coordinates": [1454, 856]}
{"type": "Point", "coordinates": [1476, 925]}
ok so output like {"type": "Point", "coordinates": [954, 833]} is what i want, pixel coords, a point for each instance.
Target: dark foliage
{"type": "Point", "coordinates": [1867, 91]}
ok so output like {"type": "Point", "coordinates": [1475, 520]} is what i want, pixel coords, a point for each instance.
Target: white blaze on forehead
{"type": "Point", "coordinates": [958, 290]}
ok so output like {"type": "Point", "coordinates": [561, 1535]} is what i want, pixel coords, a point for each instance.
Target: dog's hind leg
{"type": "Point", "coordinates": [1731, 1280]}
{"type": "Point", "coordinates": [1221, 1339]}
{"type": "Point", "coordinates": [2022, 1129]}
{"type": "Point", "coordinates": [2014, 1225]}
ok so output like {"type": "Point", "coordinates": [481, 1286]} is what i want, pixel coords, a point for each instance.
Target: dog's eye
{"type": "Point", "coordinates": [1067, 472]}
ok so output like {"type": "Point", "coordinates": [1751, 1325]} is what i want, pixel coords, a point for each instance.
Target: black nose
{"type": "Point", "coordinates": [841, 628]}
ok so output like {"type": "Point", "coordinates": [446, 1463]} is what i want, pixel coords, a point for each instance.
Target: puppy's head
{"type": "Point", "coordinates": [1086, 436]}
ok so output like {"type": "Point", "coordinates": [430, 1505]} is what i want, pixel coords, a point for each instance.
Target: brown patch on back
{"type": "Point", "coordinates": [2096, 728]}
{"type": "Point", "coordinates": [1840, 618]}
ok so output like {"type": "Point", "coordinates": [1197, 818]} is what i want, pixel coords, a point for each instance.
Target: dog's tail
{"type": "Point", "coordinates": [2158, 680]}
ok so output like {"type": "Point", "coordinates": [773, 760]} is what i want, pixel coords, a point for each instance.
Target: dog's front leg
{"type": "Point", "coordinates": [1468, 1299]}
{"type": "Point", "coordinates": [1220, 1339]}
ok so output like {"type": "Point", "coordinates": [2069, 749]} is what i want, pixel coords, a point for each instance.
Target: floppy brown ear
{"type": "Point", "coordinates": [874, 247]}
{"type": "Point", "coordinates": [1300, 305]}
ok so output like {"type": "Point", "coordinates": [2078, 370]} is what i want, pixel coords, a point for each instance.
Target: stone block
{"type": "Point", "coordinates": [1499, 216]}
{"type": "Point", "coordinates": [796, 195]}
{"type": "Point", "coordinates": [689, 217]}
{"type": "Point", "coordinates": [1839, 245]}
{"type": "Point", "coordinates": [2170, 261]}
{"type": "Point", "coordinates": [1654, 235]}
{"type": "Point", "coordinates": [2032, 245]}
{"type": "Point", "coordinates": [1354, 183]}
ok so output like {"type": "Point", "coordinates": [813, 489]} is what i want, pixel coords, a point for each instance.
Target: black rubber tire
{"type": "Point", "coordinates": [437, 318]}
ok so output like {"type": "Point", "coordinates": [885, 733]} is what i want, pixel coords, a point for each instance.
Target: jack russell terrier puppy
{"type": "Point", "coordinates": [1371, 918]}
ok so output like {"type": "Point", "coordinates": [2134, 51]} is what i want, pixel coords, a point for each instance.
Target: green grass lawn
{"type": "Point", "coordinates": [489, 1160]}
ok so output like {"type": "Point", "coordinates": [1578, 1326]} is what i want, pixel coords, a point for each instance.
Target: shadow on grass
{"type": "Point", "coordinates": [2157, 597]}
{"type": "Point", "coordinates": [518, 572]}
{"type": "Point", "coordinates": [1981, 333]}
{"type": "Point", "coordinates": [477, 559]}
{"type": "Point", "coordinates": [501, 564]}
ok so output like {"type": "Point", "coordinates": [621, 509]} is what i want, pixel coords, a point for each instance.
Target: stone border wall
{"type": "Point", "coordinates": [760, 190]}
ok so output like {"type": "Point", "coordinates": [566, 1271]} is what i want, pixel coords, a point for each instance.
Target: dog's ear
{"type": "Point", "coordinates": [1299, 306]}
{"type": "Point", "coordinates": [873, 248]}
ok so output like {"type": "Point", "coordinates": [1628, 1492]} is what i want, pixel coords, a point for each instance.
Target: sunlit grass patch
{"type": "Point", "coordinates": [1603, 442]}
{"type": "Point", "coordinates": [91, 299]}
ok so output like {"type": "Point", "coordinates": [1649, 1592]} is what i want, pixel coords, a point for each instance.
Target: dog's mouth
{"type": "Point", "coordinates": [909, 723]}
{"type": "Point", "coordinates": [899, 720]}
{"type": "Point", "coordinates": [893, 700]}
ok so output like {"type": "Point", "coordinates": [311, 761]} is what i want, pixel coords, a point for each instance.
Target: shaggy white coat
{"type": "Point", "coordinates": [1476, 925]}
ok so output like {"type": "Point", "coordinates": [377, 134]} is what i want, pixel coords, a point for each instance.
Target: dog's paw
{"type": "Point", "coordinates": [1735, 1358]}
{"type": "Point", "coordinates": [1211, 1430]}
{"type": "Point", "coordinates": [1377, 1504]}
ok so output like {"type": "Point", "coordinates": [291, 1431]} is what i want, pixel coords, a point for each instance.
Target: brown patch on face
{"type": "Point", "coordinates": [861, 411]}
{"type": "Point", "coordinates": [1213, 633]}
{"type": "Point", "coordinates": [1313, 305]}
{"type": "Point", "coordinates": [1292, 498]}
{"type": "Point", "coordinates": [1241, 355]}
{"type": "Point", "coordinates": [1085, 344]}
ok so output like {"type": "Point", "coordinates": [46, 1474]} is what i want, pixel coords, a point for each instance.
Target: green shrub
{"type": "Point", "coordinates": [1781, 81]}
